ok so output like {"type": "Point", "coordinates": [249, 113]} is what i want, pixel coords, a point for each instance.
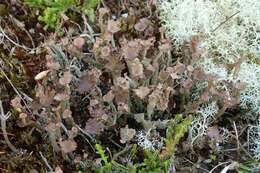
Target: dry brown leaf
{"type": "Point", "coordinates": [61, 97]}
{"type": "Point", "coordinates": [159, 98]}
{"type": "Point", "coordinates": [123, 107]}
{"type": "Point", "coordinates": [57, 170]}
{"type": "Point", "coordinates": [97, 110]}
{"type": "Point", "coordinates": [46, 96]}
{"type": "Point", "coordinates": [136, 68]}
{"type": "Point", "coordinates": [179, 68]}
{"type": "Point", "coordinates": [205, 96]}
{"type": "Point", "coordinates": [67, 113]}
{"type": "Point", "coordinates": [121, 92]}
{"type": "Point", "coordinates": [122, 83]}
{"type": "Point", "coordinates": [66, 78]}
{"type": "Point", "coordinates": [199, 74]}
{"type": "Point", "coordinates": [53, 128]}
{"type": "Point", "coordinates": [190, 68]}
{"type": "Point", "coordinates": [163, 75]}
{"type": "Point", "coordinates": [142, 24]}
{"type": "Point", "coordinates": [149, 70]}
{"type": "Point", "coordinates": [131, 49]}
{"type": "Point", "coordinates": [166, 46]}
{"type": "Point", "coordinates": [142, 92]}
{"type": "Point", "coordinates": [109, 96]}
{"type": "Point", "coordinates": [68, 146]}
{"type": "Point", "coordinates": [213, 133]}
{"type": "Point", "coordinates": [89, 80]}
{"type": "Point", "coordinates": [64, 41]}
{"type": "Point", "coordinates": [105, 51]}
{"type": "Point", "coordinates": [187, 84]}
{"type": "Point", "coordinates": [115, 64]}
{"type": "Point", "coordinates": [93, 102]}
{"type": "Point", "coordinates": [41, 75]}
{"type": "Point", "coordinates": [113, 26]}
{"type": "Point", "coordinates": [94, 126]}
{"type": "Point", "coordinates": [126, 134]}
{"type": "Point", "coordinates": [16, 103]}
{"type": "Point", "coordinates": [51, 64]}
{"type": "Point", "coordinates": [192, 48]}
{"type": "Point", "coordinates": [173, 73]}
{"type": "Point", "coordinates": [79, 43]}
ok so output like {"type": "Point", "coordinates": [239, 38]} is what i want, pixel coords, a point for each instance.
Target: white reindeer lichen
{"type": "Point", "coordinates": [147, 142]}
{"type": "Point", "coordinates": [254, 140]}
{"type": "Point", "coordinates": [200, 124]}
{"type": "Point", "coordinates": [230, 27]}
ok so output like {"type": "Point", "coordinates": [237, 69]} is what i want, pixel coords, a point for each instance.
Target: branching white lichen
{"type": "Point", "coordinates": [200, 124]}
{"type": "Point", "coordinates": [148, 142]}
{"type": "Point", "coordinates": [250, 97]}
{"type": "Point", "coordinates": [230, 27]}
{"type": "Point", "coordinates": [211, 68]}
{"type": "Point", "coordinates": [254, 140]}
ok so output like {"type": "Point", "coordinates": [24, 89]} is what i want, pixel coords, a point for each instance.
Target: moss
{"type": "Point", "coordinates": [14, 70]}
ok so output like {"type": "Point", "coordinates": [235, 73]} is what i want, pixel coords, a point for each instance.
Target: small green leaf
{"type": "Point", "coordinates": [176, 130]}
{"type": "Point", "coordinates": [35, 3]}
{"type": "Point", "coordinates": [244, 169]}
{"type": "Point", "coordinates": [88, 9]}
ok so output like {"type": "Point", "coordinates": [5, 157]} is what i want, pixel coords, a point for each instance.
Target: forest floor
{"type": "Point", "coordinates": [95, 86]}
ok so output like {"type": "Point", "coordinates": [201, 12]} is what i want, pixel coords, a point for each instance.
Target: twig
{"type": "Point", "coordinates": [238, 143]}
{"type": "Point", "coordinates": [194, 164]}
{"type": "Point", "coordinates": [211, 171]}
{"type": "Point", "coordinates": [46, 162]}
{"type": "Point", "coordinates": [109, 152]}
{"type": "Point", "coordinates": [85, 133]}
{"type": "Point", "coordinates": [15, 90]}
{"type": "Point", "coordinates": [26, 96]}
{"type": "Point", "coordinates": [126, 149]}
{"type": "Point", "coordinates": [222, 23]}
{"type": "Point", "coordinates": [242, 147]}
{"type": "Point", "coordinates": [65, 129]}
{"type": "Point", "coordinates": [3, 118]}
{"type": "Point", "coordinates": [1, 38]}
{"type": "Point", "coordinates": [21, 26]}
{"type": "Point", "coordinates": [16, 44]}
{"type": "Point", "coordinates": [111, 140]}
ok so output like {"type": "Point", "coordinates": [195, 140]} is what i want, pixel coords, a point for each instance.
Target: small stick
{"type": "Point", "coordinates": [87, 134]}
{"type": "Point", "coordinates": [126, 149]}
{"type": "Point", "coordinates": [21, 25]}
{"type": "Point", "coordinates": [238, 143]}
{"type": "Point", "coordinates": [222, 23]}
{"type": "Point", "coordinates": [211, 171]}
{"type": "Point", "coordinates": [46, 162]}
{"type": "Point", "coordinates": [16, 44]}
